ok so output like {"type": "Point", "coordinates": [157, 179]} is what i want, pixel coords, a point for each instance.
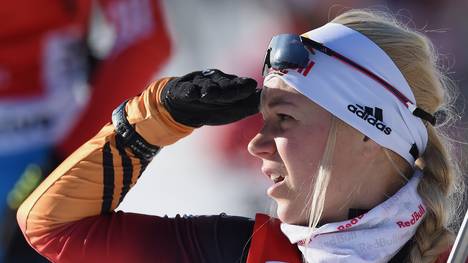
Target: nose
{"type": "Point", "coordinates": [262, 146]}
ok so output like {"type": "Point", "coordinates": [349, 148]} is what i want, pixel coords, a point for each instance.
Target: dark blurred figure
{"type": "Point", "coordinates": [64, 66]}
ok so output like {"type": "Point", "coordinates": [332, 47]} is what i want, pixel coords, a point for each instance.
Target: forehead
{"type": "Point", "coordinates": [276, 91]}
{"type": "Point", "coordinates": [276, 83]}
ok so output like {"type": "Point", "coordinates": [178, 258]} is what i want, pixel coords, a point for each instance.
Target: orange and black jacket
{"type": "Point", "coordinates": [70, 217]}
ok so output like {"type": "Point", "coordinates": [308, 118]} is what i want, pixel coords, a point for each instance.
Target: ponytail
{"type": "Point", "coordinates": [432, 237]}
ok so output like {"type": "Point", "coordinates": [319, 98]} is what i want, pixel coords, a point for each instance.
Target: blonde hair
{"type": "Point", "coordinates": [316, 201]}
{"type": "Point", "coordinates": [414, 55]}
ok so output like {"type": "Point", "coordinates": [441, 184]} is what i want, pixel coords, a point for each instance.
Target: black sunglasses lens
{"type": "Point", "coordinates": [286, 51]}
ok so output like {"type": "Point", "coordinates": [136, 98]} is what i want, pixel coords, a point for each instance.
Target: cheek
{"type": "Point", "coordinates": [301, 156]}
{"type": "Point", "coordinates": [301, 153]}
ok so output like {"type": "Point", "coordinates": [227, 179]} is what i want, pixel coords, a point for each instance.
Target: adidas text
{"type": "Point", "coordinates": [370, 116]}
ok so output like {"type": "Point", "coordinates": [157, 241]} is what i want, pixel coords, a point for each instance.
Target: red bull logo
{"type": "Point", "coordinates": [415, 217]}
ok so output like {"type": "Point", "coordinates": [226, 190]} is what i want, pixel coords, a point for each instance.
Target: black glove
{"type": "Point", "coordinates": [210, 97]}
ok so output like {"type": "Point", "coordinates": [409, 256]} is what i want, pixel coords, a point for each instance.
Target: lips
{"type": "Point", "coordinates": [276, 178]}
{"type": "Point", "coordinates": [273, 174]}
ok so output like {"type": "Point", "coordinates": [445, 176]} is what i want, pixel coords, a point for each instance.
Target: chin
{"type": "Point", "coordinates": [288, 215]}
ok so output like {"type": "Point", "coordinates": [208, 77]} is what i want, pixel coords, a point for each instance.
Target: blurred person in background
{"type": "Point", "coordinates": [63, 67]}
{"type": "Point", "coordinates": [360, 166]}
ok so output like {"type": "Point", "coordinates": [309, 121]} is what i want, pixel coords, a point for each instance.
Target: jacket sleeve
{"type": "Point", "coordinates": [70, 218]}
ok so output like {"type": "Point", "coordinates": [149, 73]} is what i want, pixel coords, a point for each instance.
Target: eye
{"type": "Point", "coordinates": [284, 117]}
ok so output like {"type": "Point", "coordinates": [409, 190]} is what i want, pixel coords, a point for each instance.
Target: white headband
{"type": "Point", "coordinates": [356, 98]}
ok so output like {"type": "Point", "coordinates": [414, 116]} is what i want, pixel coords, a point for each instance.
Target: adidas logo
{"type": "Point", "coordinates": [373, 116]}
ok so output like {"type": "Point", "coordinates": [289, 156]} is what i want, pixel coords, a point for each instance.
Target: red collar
{"type": "Point", "coordinates": [270, 244]}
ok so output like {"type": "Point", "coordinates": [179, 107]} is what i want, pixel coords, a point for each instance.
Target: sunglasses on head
{"type": "Point", "coordinates": [290, 51]}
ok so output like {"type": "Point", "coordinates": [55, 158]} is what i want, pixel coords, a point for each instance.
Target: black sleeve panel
{"type": "Point", "coordinates": [222, 238]}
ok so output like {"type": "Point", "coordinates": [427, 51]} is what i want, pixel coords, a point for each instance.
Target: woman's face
{"type": "Point", "coordinates": [291, 145]}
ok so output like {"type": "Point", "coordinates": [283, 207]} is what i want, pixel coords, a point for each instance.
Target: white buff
{"type": "Point", "coordinates": [375, 236]}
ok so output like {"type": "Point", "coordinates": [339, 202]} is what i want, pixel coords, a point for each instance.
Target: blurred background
{"type": "Point", "coordinates": [65, 65]}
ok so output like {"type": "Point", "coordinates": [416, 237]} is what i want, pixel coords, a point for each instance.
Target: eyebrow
{"type": "Point", "coordinates": [276, 101]}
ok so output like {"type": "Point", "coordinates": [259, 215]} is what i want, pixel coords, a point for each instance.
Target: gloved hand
{"type": "Point", "coordinates": [210, 97]}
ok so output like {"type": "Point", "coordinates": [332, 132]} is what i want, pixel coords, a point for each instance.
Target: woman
{"type": "Point", "coordinates": [360, 174]}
